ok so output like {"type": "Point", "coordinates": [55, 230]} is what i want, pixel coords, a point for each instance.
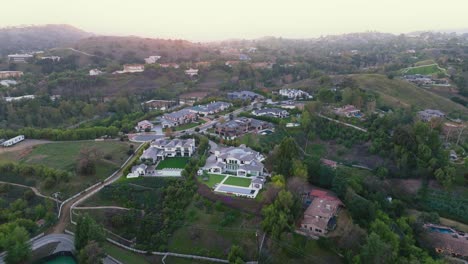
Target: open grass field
{"type": "Point", "coordinates": [212, 179]}
{"type": "Point", "coordinates": [236, 181]}
{"type": "Point", "coordinates": [399, 93]}
{"type": "Point", "coordinates": [64, 156]}
{"type": "Point", "coordinates": [174, 163]}
{"type": "Point", "coordinates": [423, 69]}
{"type": "Point", "coordinates": [424, 62]}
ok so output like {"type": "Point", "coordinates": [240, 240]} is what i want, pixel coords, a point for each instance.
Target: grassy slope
{"type": "Point", "coordinates": [63, 155]}
{"type": "Point", "coordinates": [399, 93]}
{"type": "Point", "coordinates": [204, 235]}
{"type": "Point", "coordinates": [423, 69]}
{"type": "Point", "coordinates": [123, 255]}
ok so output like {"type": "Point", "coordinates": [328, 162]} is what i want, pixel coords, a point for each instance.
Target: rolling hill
{"type": "Point", "coordinates": [399, 93]}
{"type": "Point", "coordinates": [135, 49]}
{"type": "Point", "coordinates": [34, 38]}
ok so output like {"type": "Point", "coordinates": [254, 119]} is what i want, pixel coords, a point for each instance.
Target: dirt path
{"type": "Point", "coordinates": [25, 145]}
{"type": "Point", "coordinates": [36, 191]}
{"type": "Point", "coordinates": [343, 123]}
{"type": "Point", "coordinates": [100, 207]}
{"type": "Point", "coordinates": [64, 217]}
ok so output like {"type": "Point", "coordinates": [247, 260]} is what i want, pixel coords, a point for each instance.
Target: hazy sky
{"type": "Point", "coordinates": [220, 19]}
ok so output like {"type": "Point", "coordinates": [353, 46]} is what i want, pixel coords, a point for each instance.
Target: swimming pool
{"type": "Point", "coordinates": [61, 260]}
{"type": "Point", "coordinates": [440, 230]}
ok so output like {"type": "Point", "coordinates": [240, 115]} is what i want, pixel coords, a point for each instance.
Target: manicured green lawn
{"type": "Point", "coordinates": [190, 125]}
{"type": "Point", "coordinates": [123, 255]}
{"type": "Point", "coordinates": [242, 182]}
{"type": "Point", "coordinates": [212, 179]}
{"type": "Point", "coordinates": [174, 163]}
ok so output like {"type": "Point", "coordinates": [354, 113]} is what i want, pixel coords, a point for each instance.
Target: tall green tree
{"type": "Point", "coordinates": [86, 230]}
{"type": "Point", "coordinates": [280, 215]}
{"type": "Point", "coordinates": [376, 251]}
{"type": "Point", "coordinates": [286, 152]}
{"type": "Point", "coordinates": [236, 254]}
{"type": "Point", "coordinates": [92, 253]}
{"type": "Point", "coordinates": [17, 247]}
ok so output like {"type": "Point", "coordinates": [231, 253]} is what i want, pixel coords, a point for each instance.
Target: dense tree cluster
{"type": "Point", "coordinates": [48, 177]}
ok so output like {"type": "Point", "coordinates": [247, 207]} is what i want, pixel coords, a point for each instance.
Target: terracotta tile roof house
{"type": "Point", "coordinates": [329, 163]}
{"type": "Point", "coordinates": [241, 161]}
{"type": "Point", "coordinates": [348, 111]}
{"type": "Point", "coordinates": [320, 216]}
{"type": "Point", "coordinates": [10, 74]}
{"type": "Point", "coordinates": [143, 125]}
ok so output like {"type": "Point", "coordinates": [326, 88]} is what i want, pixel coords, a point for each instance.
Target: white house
{"type": "Point", "coordinates": [152, 59]}
{"type": "Point", "coordinates": [13, 141]}
{"type": "Point", "coordinates": [241, 161]}
{"type": "Point", "coordinates": [294, 94]}
{"type": "Point", "coordinates": [7, 83]}
{"type": "Point", "coordinates": [19, 98]}
{"type": "Point", "coordinates": [175, 147]}
{"type": "Point", "coordinates": [19, 57]}
{"type": "Point", "coordinates": [131, 68]}
{"type": "Point", "coordinates": [137, 171]}
{"type": "Point", "coordinates": [271, 112]}
{"type": "Point", "coordinates": [134, 68]}
{"type": "Point", "coordinates": [95, 72]}
{"type": "Point", "coordinates": [191, 72]}
{"type": "Point", "coordinates": [53, 58]}
{"type": "Point", "coordinates": [162, 148]}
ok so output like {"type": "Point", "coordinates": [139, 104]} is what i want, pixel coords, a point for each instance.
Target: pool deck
{"type": "Point", "coordinates": [447, 242]}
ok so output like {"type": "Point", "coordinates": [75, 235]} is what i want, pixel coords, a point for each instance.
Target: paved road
{"type": "Point", "coordinates": [65, 243]}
